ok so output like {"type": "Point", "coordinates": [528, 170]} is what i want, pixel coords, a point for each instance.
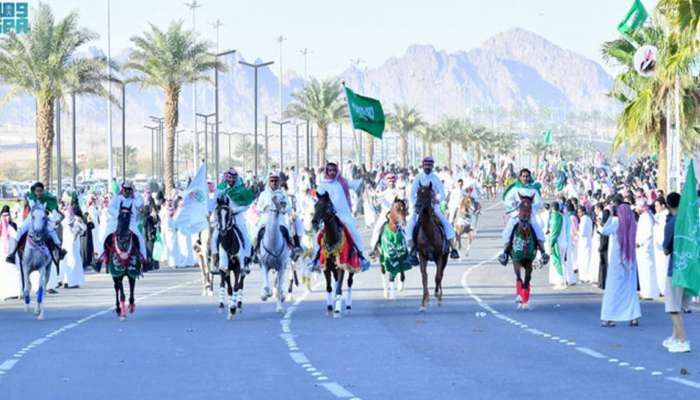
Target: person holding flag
{"type": "Point", "coordinates": [239, 199]}
{"type": "Point", "coordinates": [682, 245]}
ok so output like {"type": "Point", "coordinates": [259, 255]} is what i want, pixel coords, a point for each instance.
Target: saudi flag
{"type": "Point", "coordinates": [195, 210]}
{"type": "Point", "coordinates": [634, 19]}
{"type": "Point", "coordinates": [686, 238]}
{"type": "Point", "coordinates": [548, 137]}
{"type": "Point", "coordinates": [365, 113]}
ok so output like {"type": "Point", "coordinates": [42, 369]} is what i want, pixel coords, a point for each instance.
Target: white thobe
{"type": "Point", "coordinates": [620, 300]}
{"type": "Point", "coordinates": [72, 272]}
{"type": "Point", "coordinates": [660, 259]}
{"type": "Point", "coordinates": [584, 249]}
{"type": "Point", "coordinates": [135, 204]}
{"type": "Point", "coordinates": [646, 261]}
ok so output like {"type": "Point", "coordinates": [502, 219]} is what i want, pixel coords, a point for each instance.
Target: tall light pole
{"type": "Point", "coordinates": [123, 84]}
{"type": "Point", "coordinates": [110, 161]}
{"type": "Point", "coordinates": [73, 144]}
{"type": "Point", "coordinates": [153, 129]}
{"type": "Point", "coordinates": [177, 154]}
{"type": "Point", "coordinates": [255, 107]}
{"type": "Point", "coordinates": [297, 125]}
{"type": "Point", "coordinates": [159, 144]}
{"type": "Point", "coordinates": [58, 147]}
{"type": "Point", "coordinates": [206, 141]}
{"type": "Point", "coordinates": [267, 146]}
{"type": "Point", "coordinates": [280, 39]}
{"type": "Point", "coordinates": [305, 52]}
{"type": "Point", "coordinates": [281, 124]}
{"type": "Point", "coordinates": [216, 102]}
{"type": "Point", "coordinates": [194, 5]}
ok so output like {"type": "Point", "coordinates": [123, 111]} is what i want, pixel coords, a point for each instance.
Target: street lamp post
{"type": "Point", "coordinates": [267, 147]}
{"type": "Point", "coordinates": [75, 164]}
{"type": "Point", "coordinates": [206, 138]}
{"type": "Point", "coordinates": [194, 5]}
{"type": "Point", "coordinates": [153, 161]}
{"type": "Point", "coordinates": [159, 145]}
{"type": "Point", "coordinates": [216, 102]}
{"type": "Point", "coordinates": [58, 147]}
{"type": "Point", "coordinates": [281, 124]}
{"type": "Point", "coordinates": [123, 132]}
{"type": "Point", "coordinates": [255, 107]}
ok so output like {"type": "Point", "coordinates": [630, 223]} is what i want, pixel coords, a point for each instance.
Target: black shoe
{"type": "Point", "coordinates": [62, 254]}
{"type": "Point", "coordinates": [413, 260]}
{"type": "Point", "coordinates": [10, 259]}
{"type": "Point", "coordinates": [454, 254]}
{"type": "Point", "coordinates": [503, 259]}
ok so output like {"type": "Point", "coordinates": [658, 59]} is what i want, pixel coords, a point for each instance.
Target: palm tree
{"type": "Point", "coordinates": [322, 103]}
{"type": "Point", "coordinates": [429, 134]}
{"type": "Point", "coordinates": [168, 60]}
{"type": "Point", "coordinates": [131, 159]}
{"type": "Point", "coordinates": [537, 148]}
{"type": "Point", "coordinates": [404, 120]}
{"type": "Point", "coordinates": [642, 125]}
{"type": "Point", "coordinates": [451, 131]}
{"type": "Point", "coordinates": [43, 63]}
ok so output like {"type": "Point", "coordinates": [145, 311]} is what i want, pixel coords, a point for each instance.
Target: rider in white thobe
{"type": "Point", "coordinates": [127, 199]}
{"type": "Point", "coordinates": [264, 205]}
{"type": "Point", "coordinates": [425, 178]}
{"type": "Point", "coordinates": [386, 200]}
{"type": "Point", "coordinates": [332, 184]}
{"type": "Point", "coordinates": [231, 179]}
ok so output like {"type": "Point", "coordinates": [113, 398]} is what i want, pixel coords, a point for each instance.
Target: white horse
{"type": "Point", "coordinates": [274, 254]}
{"type": "Point", "coordinates": [36, 257]}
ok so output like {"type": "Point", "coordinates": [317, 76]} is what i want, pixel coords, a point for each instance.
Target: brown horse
{"type": "Point", "coordinates": [395, 219]}
{"type": "Point", "coordinates": [430, 242]}
{"type": "Point", "coordinates": [463, 223]}
{"type": "Point", "coordinates": [331, 243]}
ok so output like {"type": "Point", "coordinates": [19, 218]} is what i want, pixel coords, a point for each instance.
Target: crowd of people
{"type": "Point", "coordinates": [604, 224]}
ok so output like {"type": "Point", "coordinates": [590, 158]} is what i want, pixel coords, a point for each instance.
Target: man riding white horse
{"type": "Point", "coordinates": [523, 187]}
{"type": "Point", "coordinates": [239, 199]}
{"type": "Point", "coordinates": [425, 178]}
{"type": "Point", "coordinates": [386, 199]}
{"type": "Point", "coordinates": [38, 195]}
{"type": "Point", "coordinates": [265, 205]}
{"type": "Point", "coordinates": [127, 199]}
{"type": "Point", "coordinates": [339, 192]}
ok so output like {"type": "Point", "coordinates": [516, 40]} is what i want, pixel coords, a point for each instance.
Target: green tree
{"type": "Point", "coordinates": [451, 131]}
{"type": "Point", "coordinates": [429, 134]}
{"type": "Point", "coordinates": [168, 60]}
{"type": "Point", "coordinates": [405, 120]}
{"type": "Point", "coordinates": [322, 103]}
{"type": "Point", "coordinates": [44, 64]}
{"type": "Point", "coordinates": [131, 160]}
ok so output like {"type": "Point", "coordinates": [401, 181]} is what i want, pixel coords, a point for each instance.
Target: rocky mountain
{"type": "Point", "coordinates": [514, 69]}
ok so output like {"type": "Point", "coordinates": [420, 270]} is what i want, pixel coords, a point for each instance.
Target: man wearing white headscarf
{"type": "Point", "coordinates": [127, 199]}
{"type": "Point", "coordinates": [265, 205]}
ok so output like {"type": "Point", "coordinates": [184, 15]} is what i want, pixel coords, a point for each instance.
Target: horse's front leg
{"type": "Point", "coordinates": [265, 291]}
{"type": "Point", "coordinates": [424, 281]}
{"type": "Point", "coordinates": [525, 292]}
{"type": "Point", "coordinates": [239, 290]}
{"type": "Point", "coordinates": [329, 289]}
{"type": "Point", "coordinates": [132, 288]}
{"type": "Point", "coordinates": [348, 296]}
{"type": "Point", "coordinates": [26, 288]}
{"type": "Point", "coordinates": [279, 285]}
{"type": "Point", "coordinates": [439, 273]}
{"type": "Point", "coordinates": [43, 283]}
{"type": "Point", "coordinates": [339, 276]}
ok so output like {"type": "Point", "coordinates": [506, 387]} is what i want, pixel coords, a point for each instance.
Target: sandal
{"type": "Point", "coordinates": [607, 324]}
{"type": "Point", "coordinates": [634, 322]}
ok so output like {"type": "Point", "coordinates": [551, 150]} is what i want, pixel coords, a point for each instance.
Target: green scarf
{"type": "Point", "coordinates": [238, 193]}
{"type": "Point", "coordinates": [46, 199]}
{"type": "Point", "coordinates": [393, 254]}
{"type": "Point", "coordinates": [517, 184]}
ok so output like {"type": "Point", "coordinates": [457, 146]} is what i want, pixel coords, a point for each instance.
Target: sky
{"type": "Point", "coordinates": [372, 31]}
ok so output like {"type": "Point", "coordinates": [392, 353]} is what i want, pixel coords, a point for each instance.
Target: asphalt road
{"type": "Point", "coordinates": [475, 346]}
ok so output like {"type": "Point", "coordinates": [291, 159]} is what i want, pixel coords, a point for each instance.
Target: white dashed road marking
{"type": "Point", "coordinates": [557, 339]}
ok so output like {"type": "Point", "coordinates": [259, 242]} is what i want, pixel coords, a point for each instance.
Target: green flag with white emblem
{"type": "Point", "coordinates": [686, 238]}
{"type": "Point", "coordinates": [365, 113]}
{"type": "Point", "coordinates": [635, 18]}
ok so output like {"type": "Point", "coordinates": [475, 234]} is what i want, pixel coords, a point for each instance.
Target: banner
{"type": "Point", "coordinates": [686, 238]}
{"type": "Point", "coordinates": [635, 18]}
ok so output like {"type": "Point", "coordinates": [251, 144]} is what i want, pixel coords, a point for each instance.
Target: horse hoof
{"type": "Point", "coordinates": [280, 310]}
{"type": "Point", "coordinates": [439, 303]}
{"type": "Point", "coordinates": [422, 309]}
{"type": "Point", "coordinates": [221, 305]}
{"type": "Point", "coordinates": [40, 317]}
{"type": "Point", "coordinates": [386, 295]}
{"type": "Point", "coordinates": [229, 316]}
{"type": "Point", "coordinates": [336, 314]}
{"type": "Point", "coordinates": [132, 308]}
{"type": "Point", "coordinates": [239, 305]}
{"type": "Point", "coordinates": [26, 308]}
{"type": "Point", "coordinates": [122, 318]}
{"type": "Point", "coordinates": [348, 309]}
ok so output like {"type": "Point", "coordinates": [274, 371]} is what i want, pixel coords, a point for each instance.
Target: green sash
{"type": "Point", "coordinates": [238, 194]}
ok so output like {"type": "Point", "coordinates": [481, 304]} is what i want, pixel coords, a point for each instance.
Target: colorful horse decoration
{"type": "Point", "coordinates": [230, 240]}
{"type": "Point", "coordinates": [393, 251]}
{"type": "Point", "coordinates": [524, 251]}
{"type": "Point", "coordinates": [337, 254]}
{"type": "Point", "coordinates": [122, 258]}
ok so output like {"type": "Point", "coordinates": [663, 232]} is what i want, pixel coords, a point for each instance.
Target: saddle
{"type": "Point", "coordinates": [436, 220]}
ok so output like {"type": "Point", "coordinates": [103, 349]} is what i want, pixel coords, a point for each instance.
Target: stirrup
{"type": "Point", "coordinates": [503, 259]}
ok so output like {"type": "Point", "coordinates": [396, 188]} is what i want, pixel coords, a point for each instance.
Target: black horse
{"type": "Point", "coordinates": [230, 239]}
{"type": "Point", "coordinates": [331, 242]}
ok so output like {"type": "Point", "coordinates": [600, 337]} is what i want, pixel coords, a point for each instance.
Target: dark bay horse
{"type": "Point", "coordinates": [332, 241]}
{"type": "Point", "coordinates": [430, 242]}
{"type": "Point", "coordinates": [122, 258]}
{"type": "Point", "coordinates": [230, 240]}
